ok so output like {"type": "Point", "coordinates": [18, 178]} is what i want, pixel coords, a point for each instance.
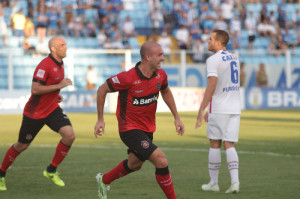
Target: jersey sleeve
{"type": "Point", "coordinates": [41, 74]}
{"type": "Point", "coordinates": [211, 67]}
{"type": "Point", "coordinates": [164, 81]}
{"type": "Point", "coordinates": [121, 81]}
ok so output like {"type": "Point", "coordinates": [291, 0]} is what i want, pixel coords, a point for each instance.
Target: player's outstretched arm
{"type": "Point", "coordinates": [169, 100]}
{"type": "Point", "coordinates": [101, 95]}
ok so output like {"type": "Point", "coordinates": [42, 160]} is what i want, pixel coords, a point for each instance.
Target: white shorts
{"type": "Point", "coordinates": [223, 127]}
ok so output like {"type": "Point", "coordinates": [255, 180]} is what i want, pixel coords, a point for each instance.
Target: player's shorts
{"type": "Point", "coordinates": [223, 127]}
{"type": "Point", "coordinates": [139, 143]}
{"type": "Point", "coordinates": [30, 127]}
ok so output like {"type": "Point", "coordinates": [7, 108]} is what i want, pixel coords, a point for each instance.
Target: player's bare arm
{"type": "Point", "coordinates": [211, 86]}
{"type": "Point", "coordinates": [169, 100]}
{"type": "Point", "coordinates": [39, 89]}
{"type": "Point", "coordinates": [101, 95]}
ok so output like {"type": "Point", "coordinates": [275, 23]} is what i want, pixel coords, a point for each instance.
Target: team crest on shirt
{"type": "Point", "coordinates": [158, 85]}
{"type": "Point", "coordinates": [137, 82]}
{"type": "Point", "coordinates": [28, 137]}
{"type": "Point", "coordinates": [55, 69]}
{"type": "Point", "coordinates": [145, 144]}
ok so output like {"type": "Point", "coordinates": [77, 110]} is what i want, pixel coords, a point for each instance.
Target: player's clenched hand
{"type": "Point", "coordinates": [60, 98]}
{"type": "Point", "coordinates": [179, 127]}
{"type": "Point", "coordinates": [200, 119]}
{"type": "Point", "coordinates": [65, 82]}
{"type": "Point", "coordinates": [99, 128]}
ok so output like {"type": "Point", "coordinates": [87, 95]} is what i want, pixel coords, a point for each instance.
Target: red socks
{"type": "Point", "coordinates": [119, 171]}
{"type": "Point", "coordinates": [9, 158]}
{"type": "Point", "coordinates": [61, 152]}
{"type": "Point", "coordinates": [165, 182]}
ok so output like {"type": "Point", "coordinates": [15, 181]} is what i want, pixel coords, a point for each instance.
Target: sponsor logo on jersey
{"type": "Point", "coordinates": [115, 80]}
{"type": "Point", "coordinates": [145, 101]}
{"type": "Point", "coordinates": [145, 144]}
{"type": "Point", "coordinates": [40, 73]}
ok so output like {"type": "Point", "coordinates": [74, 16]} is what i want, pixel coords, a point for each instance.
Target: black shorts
{"type": "Point", "coordinates": [139, 143]}
{"type": "Point", "coordinates": [30, 127]}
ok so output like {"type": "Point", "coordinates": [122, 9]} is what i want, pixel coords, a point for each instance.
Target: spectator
{"type": "Point", "coordinates": [42, 23]}
{"type": "Point", "coordinates": [3, 27]}
{"type": "Point", "coordinates": [288, 38]}
{"type": "Point", "coordinates": [156, 20]}
{"type": "Point", "coordinates": [91, 78]}
{"type": "Point", "coordinates": [261, 76]}
{"type": "Point", "coordinates": [198, 51]}
{"type": "Point", "coordinates": [107, 26]}
{"type": "Point", "coordinates": [68, 6]}
{"type": "Point", "coordinates": [192, 13]}
{"type": "Point", "coordinates": [220, 24]}
{"type": "Point", "coordinates": [82, 5]}
{"type": "Point", "coordinates": [128, 28]}
{"type": "Point", "coordinates": [182, 38]}
{"type": "Point", "coordinates": [18, 26]}
{"type": "Point", "coordinates": [207, 18]}
{"type": "Point", "coordinates": [235, 41]}
{"type": "Point", "coordinates": [30, 9]}
{"type": "Point", "coordinates": [152, 37]}
{"type": "Point", "coordinates": [29, 30]}
{"type": "Point", "coordinates": [117, 42]}
{"type": "Point", "coordinates": [28, 47]}
{"type": "Point", "coordinates": [165, 42]}
{"type": "Point", "coordinates": [114, 8]}
{"type": "Point", "coordinates": [102, 11]}
{"type": "Point", "coordinates": [272, 48]}
{"type": "Point", "coordinates": [195, 30]}
{"type": "Point", "coordinates": [242, 7]}
{"type": "Point", "coordinates": [236, 25]}
{"type": "Point", "coordinates": [42, 48]}
{"type": "Point", "coordinates": [168, 15]}
{"type": "Point", "coordinates": [227, 11]}
{"type": "Point", "coordinates": [53, 18]}
{"type": "Point", "coordinates": [90, 29]}
{"type": "Point", "coordinates": [265, 29]}
{"type": "Point", "coordinates": [101, 37]}
{"type": "Point", "coordinates": [250, 24]}
{"type": "Point", "coordinates": [242, 74]}
{"type": "Point", "coordinates": [79, 28]}
{"type": "Point", "coordinates": [296, 20]}
{"type": "Point", "coordinates": [70, 31]}
{"type": "Point", "coordinates": [282, 17]}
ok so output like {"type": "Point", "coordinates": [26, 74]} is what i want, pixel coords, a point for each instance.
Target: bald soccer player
{"type": "Point", "coordinates": [42, 108]}
{"type": "Point", "coordinates": [139, 89]}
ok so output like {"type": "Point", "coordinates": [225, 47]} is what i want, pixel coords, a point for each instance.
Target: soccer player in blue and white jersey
{"type": "Point", "coordinates": [222, 96]}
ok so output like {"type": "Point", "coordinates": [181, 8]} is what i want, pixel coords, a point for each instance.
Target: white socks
{"type": "Point", "coordinates": [214, 164]}
{"type": "Point", "coordinates": [233, 164]}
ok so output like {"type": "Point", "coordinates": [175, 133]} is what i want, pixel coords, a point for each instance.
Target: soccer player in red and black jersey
{"type": "Point", "coordinates": [42, 108]}
{"type": "Point", "coordinates": [137, 101]}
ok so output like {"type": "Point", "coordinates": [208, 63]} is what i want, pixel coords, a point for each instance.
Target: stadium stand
{"type": "Point", "coordinates": [138, 10]}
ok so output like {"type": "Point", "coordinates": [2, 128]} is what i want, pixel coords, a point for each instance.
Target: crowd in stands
{"type": "Point", "coordinates": [189, 21]}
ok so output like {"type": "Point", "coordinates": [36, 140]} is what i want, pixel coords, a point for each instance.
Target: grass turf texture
{"type": "Point", "coordinates": [268, 151]}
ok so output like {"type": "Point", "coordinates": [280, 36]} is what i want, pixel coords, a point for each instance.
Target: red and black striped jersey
{"type": "Point", "coordinates": [48, 72]}
{"type": "Point", "coordinates": [137, 100]}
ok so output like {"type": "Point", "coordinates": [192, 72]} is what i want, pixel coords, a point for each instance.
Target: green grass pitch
{"type": "Point", "coordinates": [268, 150]}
